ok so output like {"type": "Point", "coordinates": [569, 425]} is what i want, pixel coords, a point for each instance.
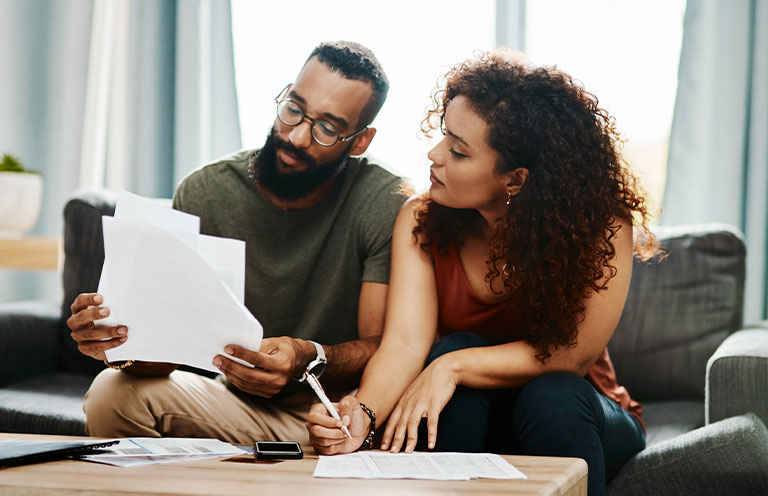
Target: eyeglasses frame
{"type": "Point", "coordinates": [339, 138]}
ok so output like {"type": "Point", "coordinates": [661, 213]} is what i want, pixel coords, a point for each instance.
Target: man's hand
{"type": "Point", "coordinates": [92, 340]}
{"type": "Point", "coordinates": [277, 361]}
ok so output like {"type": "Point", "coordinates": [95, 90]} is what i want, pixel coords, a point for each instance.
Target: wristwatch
{"type": "Point", "coordinates": [317, 366]}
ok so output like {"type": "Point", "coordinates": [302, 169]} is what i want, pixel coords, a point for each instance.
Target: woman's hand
{"type": "Point", "coordinates": [425, 397]}
{"type": "Point", "coordinates": [325, 432]}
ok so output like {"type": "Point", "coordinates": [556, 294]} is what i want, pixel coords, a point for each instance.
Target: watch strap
{"type": "Point", "coordinates": [320, 352]}
{"type": "Point", "coordinates": [318, 360]}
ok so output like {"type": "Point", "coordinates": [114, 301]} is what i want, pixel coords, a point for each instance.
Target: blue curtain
{"type": "Point", "coordinates": [510, 23]}
{"type": "Point", "coordinates": [718, 157]}
{"type": "Point", "coordinates": [172, 105]}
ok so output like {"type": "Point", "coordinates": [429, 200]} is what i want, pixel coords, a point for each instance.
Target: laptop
{"type": "Point", "coordinates": [14, 452]}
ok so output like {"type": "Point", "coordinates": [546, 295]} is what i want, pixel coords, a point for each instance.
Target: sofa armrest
{"type": "Point", "coordinates": [737, 376]}
{"type": "Point", "coordinates": [29, 339]}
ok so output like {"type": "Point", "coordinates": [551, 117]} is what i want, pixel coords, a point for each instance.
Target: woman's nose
{"type": "Point", "coordinates": [434, 156]}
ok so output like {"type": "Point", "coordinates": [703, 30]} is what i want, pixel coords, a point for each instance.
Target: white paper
{"type": "Point", "coordinates": [225, 256]}
{"type": "Point", "coordinates": [227, 259]}
{"type": "Point", "coordinates": [180, 294]}
{"type": "Point", "coordinates": [136, 461]}
{"type": "Point", "coordinates": [436, 466]}
{"type": "Point", "coordinates": [139, 209]}
{"type": "Point", "coordinates": [132, 452]}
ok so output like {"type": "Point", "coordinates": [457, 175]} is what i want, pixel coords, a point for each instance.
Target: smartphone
{"type": "Point", "coordinates": [277, 449]}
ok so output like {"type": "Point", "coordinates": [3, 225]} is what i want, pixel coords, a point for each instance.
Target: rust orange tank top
{"type": "Point", "coordinates": [460, 310]}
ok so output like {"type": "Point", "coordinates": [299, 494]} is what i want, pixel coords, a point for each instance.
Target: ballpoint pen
{"type": "Point", "coordinates": [318, 389]}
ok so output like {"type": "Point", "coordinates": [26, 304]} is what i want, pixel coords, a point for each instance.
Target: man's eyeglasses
{"type": "Point", "coordinates": [323, 132]}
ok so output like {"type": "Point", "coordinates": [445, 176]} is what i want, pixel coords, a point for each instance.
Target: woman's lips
{"type": "Point", "coordinates": [434, 179]}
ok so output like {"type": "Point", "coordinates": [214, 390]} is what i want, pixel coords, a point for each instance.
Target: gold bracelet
{"type": "Point", "coordinates": [122, 366]}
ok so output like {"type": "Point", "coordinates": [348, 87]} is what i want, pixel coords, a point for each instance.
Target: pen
{"type": "Point", "coordinates": [318, 389]}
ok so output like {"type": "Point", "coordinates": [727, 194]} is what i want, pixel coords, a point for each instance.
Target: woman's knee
{"type": "Point", "coordinates": [556, 397]}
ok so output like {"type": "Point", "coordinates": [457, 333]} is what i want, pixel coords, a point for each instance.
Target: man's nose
{"type": "Point", "coordinates": [301, 134]}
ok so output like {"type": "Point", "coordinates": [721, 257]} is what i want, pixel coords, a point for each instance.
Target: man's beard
{"type": "Point", "coordinates": [291, 185]}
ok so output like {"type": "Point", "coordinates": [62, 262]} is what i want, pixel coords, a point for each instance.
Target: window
{"type": "Point", "coordinates": [627, 54]}
{"type": "Point", "coordinates": [624, 52]}
{"type": "Point", "coordinates": [415, 42]}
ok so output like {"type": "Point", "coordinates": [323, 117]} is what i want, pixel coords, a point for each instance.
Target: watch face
{"type": "Point", "coordinates": [316, 368]}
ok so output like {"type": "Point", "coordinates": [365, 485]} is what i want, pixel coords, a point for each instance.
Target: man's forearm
{"type": "Point", "coordinates": [346, 361]}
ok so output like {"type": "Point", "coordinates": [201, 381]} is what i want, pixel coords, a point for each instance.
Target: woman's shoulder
{"type": "Point", "coordinates": [411, 207]}
{"type": "Point", "coordinates": [416, 201]}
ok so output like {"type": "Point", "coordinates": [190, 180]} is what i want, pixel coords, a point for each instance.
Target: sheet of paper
{"type": "Point", "coordinates": [225, 256]}
{"type": "Point", "coordinates": [146, 451]}
{"type": "Point", "coordinates": [227, 259]}
{"type": "Point", "coordinates": [136, 461]}
{"type": "Point", "coordinates": [136, 208]}
{"type": "Point", "coordinates": [179, 293]}
{"type": "Point", "coordinates": [175, 306]}
{"type": "Point", "coordinates": [437, 466]}
{"type": "Point", "coordinates": [171, 446]}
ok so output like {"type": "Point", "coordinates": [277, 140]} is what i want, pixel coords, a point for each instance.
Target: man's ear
{"type": "Point", "coordinates": [361, 141]}
{"type": "Point", "coordinates": [516, 180]}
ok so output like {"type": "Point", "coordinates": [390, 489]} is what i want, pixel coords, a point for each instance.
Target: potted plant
{"type": "Point", "coordinates": [21, 196]}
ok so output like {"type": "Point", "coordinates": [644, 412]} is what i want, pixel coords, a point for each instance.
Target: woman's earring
{"type": "Point", "coordinates": [509, 197]}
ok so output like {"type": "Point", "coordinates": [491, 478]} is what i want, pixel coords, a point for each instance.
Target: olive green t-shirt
{"type": "Point", "coordinates": [303, 268]}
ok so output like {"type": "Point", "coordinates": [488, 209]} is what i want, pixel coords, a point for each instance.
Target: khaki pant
{"type": "Point", "coordinates": [184, 404]}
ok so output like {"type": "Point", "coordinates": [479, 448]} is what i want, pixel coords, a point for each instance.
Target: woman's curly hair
{"type": "Point", "coordinates": [554, 243]}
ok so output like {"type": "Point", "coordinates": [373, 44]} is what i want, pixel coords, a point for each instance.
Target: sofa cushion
{"type": "Point", "coordinates": [83, 259]}
{"type": "Point", "coordinates": [678, 311]}
{"type": "Point", "coordinates": [736, 375]}
{"type": "Point", "coordinates": [29, 339]}
{"type": "Point", "coordinates": [46, 404]}
{"type": "Point", "coordinates": [667, 419]}
{"type": "Point", "coordinates": [727, 457]}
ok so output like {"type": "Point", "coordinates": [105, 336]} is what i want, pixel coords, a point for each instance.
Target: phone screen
{"type": "Point", "coordinates": [282, 449]}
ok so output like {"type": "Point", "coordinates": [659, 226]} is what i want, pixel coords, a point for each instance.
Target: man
{"type": "Point", "coordinates": [317, 226]}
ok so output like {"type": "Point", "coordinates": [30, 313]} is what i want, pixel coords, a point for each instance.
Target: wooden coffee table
{"type": "Point", "coordinates": [546, 475]}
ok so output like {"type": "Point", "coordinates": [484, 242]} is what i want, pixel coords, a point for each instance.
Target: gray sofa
{"type": "Point", "coordinates": [680, 349]}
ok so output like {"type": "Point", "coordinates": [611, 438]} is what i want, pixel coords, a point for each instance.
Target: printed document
{"type": "Point", "coordinates": [437, 466]}
{"type": "Point", "coordinates": [179, 293]}
{"type": "Point", "coordinates": [131, 452]}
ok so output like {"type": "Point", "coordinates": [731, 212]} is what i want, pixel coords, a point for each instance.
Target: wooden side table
{"type": "Point", "coordinates": [33, 253]}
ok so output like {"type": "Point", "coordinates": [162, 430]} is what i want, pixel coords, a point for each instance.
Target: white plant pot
{"type": "Point", "coordinates": [21, 195]}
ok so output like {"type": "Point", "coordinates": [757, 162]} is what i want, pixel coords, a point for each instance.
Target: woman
{"type": "Point", "coordinates": [518, 259]}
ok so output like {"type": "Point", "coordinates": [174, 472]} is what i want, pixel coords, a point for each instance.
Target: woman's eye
{"type": "Point", "coordinates": [457, 154]}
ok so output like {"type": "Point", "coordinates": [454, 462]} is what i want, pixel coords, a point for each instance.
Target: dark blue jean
{"type": "Point", "coordinates": [555, 414]}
